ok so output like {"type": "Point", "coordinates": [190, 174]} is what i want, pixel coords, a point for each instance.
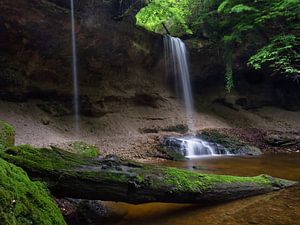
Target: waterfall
{"type": "Point", "coordinates": [176, 61]}
{"type": "Point", "coordinates": [195, 147]}
{"type": "Point", "coordinates": [74, 70]}
{"type": "Point", "coordinates": [177, 64]}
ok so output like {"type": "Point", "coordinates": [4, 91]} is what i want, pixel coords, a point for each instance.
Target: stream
{"type": "Point", "coordinates": [275, 208]}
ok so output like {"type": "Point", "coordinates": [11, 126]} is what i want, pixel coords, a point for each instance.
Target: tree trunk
{"type": "Point", "coordinates": [111, 179]}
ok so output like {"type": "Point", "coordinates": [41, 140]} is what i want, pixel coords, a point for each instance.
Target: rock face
{"type": "Point", "coordinates": [117, 61]}
{"type": "Point", "coordinates": [252, 89]}
{"type": "Point", "coordinates": [119, 64]}
{"type": "Point", "coordinates": [282, 140]}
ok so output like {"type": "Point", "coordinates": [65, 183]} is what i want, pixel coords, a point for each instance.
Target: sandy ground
{"type": "Point", "coordinates": [119, 133]}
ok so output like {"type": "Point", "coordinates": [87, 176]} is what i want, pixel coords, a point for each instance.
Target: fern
{"type": "Point", "coordinates": [240, 8]}
{"type": "Point", "coordinates": [280, 55]}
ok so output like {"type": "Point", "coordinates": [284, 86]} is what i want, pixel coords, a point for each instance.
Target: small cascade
{"type": "Point", "coordinates": [74, 70]}
{"type": "Point", "coordinates": [176, 60]}
{"type": "Point", "coordinates": [195, 147]}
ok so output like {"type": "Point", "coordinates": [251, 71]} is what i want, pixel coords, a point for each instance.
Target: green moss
{"type": "Point", "coordinates": [53, 160]}
{"type": "Point", "coordinates": [7, 134]}
{"type": "Point", "coordinates": [25, 202]}
{"type": "Point", "coordinates": [111, 170]}
{"type": "Point", "coordinates": [115, 177]}
{"type": "Point", "coordinates": [187, 181]}
{"type": "Point", "coordinates": [84, 149]}
{"type": "Point", "coordinates": [183, 180]}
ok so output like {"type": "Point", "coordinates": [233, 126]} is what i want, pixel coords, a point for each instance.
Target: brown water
{"type": "Point", "coordinates": [277, 208]}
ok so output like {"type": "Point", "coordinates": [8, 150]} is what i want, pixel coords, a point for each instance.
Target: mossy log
{"type": "Point", "coordinates": [109, 178]}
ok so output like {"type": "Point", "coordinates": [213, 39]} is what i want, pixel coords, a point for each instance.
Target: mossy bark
{"type": "Point", "coordinates": [70, 175]}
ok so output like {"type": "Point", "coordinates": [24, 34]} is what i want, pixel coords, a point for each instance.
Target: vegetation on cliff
{"type": "Point", "coordinates": [273, 24]}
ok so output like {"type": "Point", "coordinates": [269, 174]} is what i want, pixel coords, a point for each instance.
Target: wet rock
{"type": "Point", "coordinates": [232, 145]}
{"type": "Point", "coordinates": [91, 211]}
{"type": "Point", "coordinates": [171, 148]}
{"type": "Point", "coordinates": [82, 211]}
{"type": "Point", "coordinates": [282, 140]}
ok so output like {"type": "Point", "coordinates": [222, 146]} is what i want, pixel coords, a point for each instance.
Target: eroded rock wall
{"type": "Point", "coordinates": [117, 62]}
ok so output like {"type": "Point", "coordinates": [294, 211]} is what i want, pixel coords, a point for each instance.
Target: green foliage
{"type": "Point", "coordinates": [23, 202]}
{"type": "Point", "coordinates": [169, 13]}
{"type": "Point", "coordinates": [229, 73]}
{"type": "Point", "coordinates": [242, 8]}
{"type": "Point", "coordinates": [235, 21]}
{"type": "Point", "coordinates": [276, 20]}
{"type": "Point", "coordinates": [280, 55]}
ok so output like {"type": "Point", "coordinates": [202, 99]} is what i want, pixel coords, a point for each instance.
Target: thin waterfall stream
{"type": "Point", "coordinates": [176, 58]}
{"type": "Point", "coordinates": [74, 70]}
{"type": "Point", "coordinates": [177, 64]}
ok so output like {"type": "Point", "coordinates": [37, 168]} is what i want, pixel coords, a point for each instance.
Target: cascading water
{"type": "Point", "coordinates": [176, 60]}
{"type": "Point", "coordinates": [195, 147]}
{"type": "Point", "coordinates": [177, 64]}
{"type": "Point", "coordinates": [74, 70]}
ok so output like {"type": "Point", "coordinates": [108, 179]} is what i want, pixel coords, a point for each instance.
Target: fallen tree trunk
{"type": "Point", "coordinates": [70, 175]}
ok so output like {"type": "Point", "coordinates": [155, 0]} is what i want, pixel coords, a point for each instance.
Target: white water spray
{"type": "Point", "coordinates": [74, 70]}
{"type": "Point", "coordinates": [177, 63]}
{"type": "Point", "coordinates": [195, 147]}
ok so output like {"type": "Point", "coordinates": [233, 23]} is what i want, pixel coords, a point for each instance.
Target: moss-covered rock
{"type": "Point", "coordinates": [84, 149]}
{"type": "Point", "coordinates": [282, 140]}
{"type": "Point", "coordinates": [171, 149]}
{"type": "Point", "coordinates": [7, 134]}
{"type": "Point", "coordinates": [230, 144]}
{"type": "Point", "coordinates": [23, 202]}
